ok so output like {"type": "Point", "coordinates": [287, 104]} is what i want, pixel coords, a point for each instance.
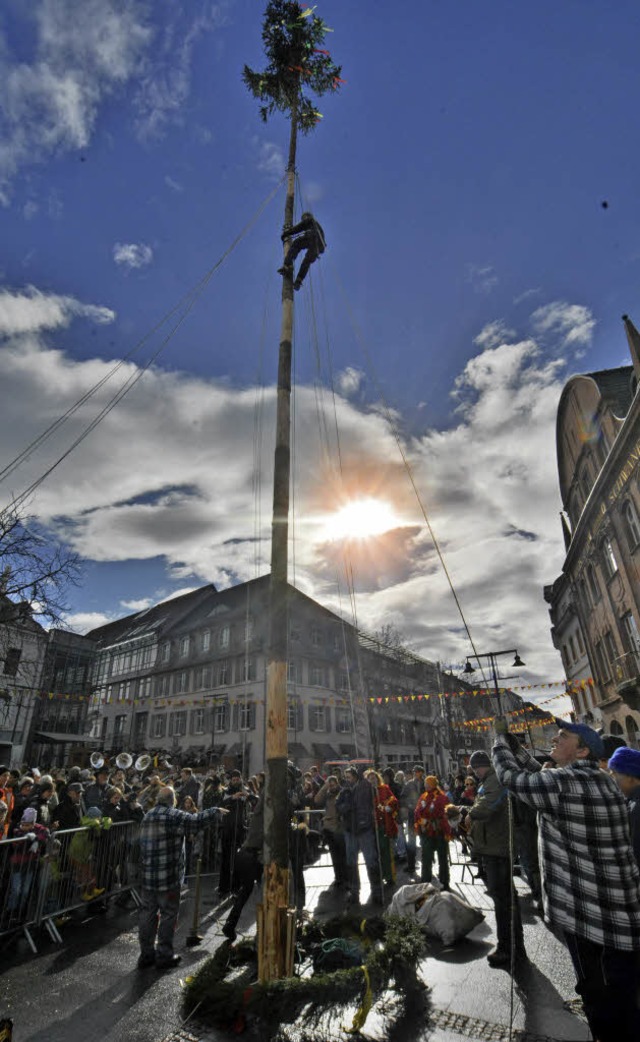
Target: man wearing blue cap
{"type": "Point", "coordinates": [590, 880]}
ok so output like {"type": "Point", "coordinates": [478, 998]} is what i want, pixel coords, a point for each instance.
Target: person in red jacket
{"type": "Point", "coordinates": [433, 828]}
{"type": "Point", "coordinates": [386, 814]}
{"type": "Point", "coordinates": [24, 861]}
{"type": "Point", "coordinates": [6, 795]}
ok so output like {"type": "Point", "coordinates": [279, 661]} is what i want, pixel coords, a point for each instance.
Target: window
{"type": "Point", "coordinates": [145, 687]}
{"type": "Point", "coordinates": [343, 721]}
{"type": "Point", "coordinates": [118, 726]}
{"type": "Point", "coordinates": [197, 721]}
{"type": "Point", "coordinates": [159, 726]}
{"type": "Point", "coordinates": [178, 723]}
{"type": "Point", "coordinates": [573, 649]}
{"type": "Point", "coordinates": [294, 716]}
{"type": "Point", "coordinates": [163, 686]}
{"type": "Point", "coordinates": [632, 634]}
{"type": "Point", "coordinates": [631, 523]}
{"type": "Point", "coordinates": [338, 642]}
{"type": "Point", "coordinates": [248, 669]}
{"type": "Point", "coordinates": [580, 642]}
{"type": "Point", "coordinates": [184, 646]}
{"type": "Point", "coordinates": [165, 652]}
{"type": "Point", "coordinates": [140, 727]}
{"type": "Point", "coordinates": [103, 729]}
{"type": "Point", "coordinates": [180, 682]}
{"type": "Point", "coordinates": [223, 673]}
{"type": "Point", "coordinates": [343, 681]}
{"type": "Point", "coordinates": [205, 640]}
{"type": "Point", "coordinates": [221, 717]}
{"type": "Point", "coordinates": [224, 636]}
{"type": "Point", "coordinates": [246, 716]}
{"type": "Point", "coordinates": [317, 676]}
{"type": "Point", "coordinates": [317, 718]}
{"type": "Point", "coordinates": [248, 630]}
{"type": "Point", "coordinates": [294, 632]}
{"type": "Point", "coordinates": [293, 672]}
{"type": "Point", "coordinates": [592, 584]}
{"type": "Point", "coordinates": [11, 662]}
{"type": "Point", "coordinates": [316, 636]}
{"type": "Point", "coordinates": [610, 563]}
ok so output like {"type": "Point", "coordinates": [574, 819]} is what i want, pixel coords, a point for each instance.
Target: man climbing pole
{"type": "Point", "coordinates": [310, 237]}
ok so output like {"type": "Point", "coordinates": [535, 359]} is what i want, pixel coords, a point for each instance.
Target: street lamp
{"type": "Point", "coordinates": [492, 656]}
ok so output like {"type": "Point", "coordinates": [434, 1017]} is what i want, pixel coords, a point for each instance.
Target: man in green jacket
{"type": "Point", "coordinates": [490, 837]}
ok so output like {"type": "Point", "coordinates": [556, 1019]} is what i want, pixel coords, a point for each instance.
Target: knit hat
{"type": "Point", "coordinates": [590, 738]}
{"type": "Point", "coordinates": [29, 815]}
{"type": "Point", "coordinates": [94, 812]}
{"type": "Point", "coordinates": [611, 742]}
{"type": "Point", "coordinates": [626, 761]}
{"type": "Point", "coordinates": [479, 759]}
{"type": "Point", "coordinates": [85, 775]}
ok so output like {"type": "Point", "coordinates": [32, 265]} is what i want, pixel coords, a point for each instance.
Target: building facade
{"type": "Point", "coordinates": [595, 603]}
{"type": "Point", "coordinates": [22, 648]}
{"type": "Point", "coordinates": [186, 679]}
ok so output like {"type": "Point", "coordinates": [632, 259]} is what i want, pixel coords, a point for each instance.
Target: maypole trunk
{"type": "Point", "coordinates": [276, 922]}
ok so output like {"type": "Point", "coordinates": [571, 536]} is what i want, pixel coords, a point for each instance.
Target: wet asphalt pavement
{"type": "Point", "coordinates": [89, 989]}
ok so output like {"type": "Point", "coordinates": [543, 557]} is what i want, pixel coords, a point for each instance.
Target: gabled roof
{"type": "Point", "coordinates": [150, 620]}
{"type": "Point", "coordinates": [615, 387]}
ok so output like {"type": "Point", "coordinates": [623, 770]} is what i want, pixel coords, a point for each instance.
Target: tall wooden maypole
{"type": "Point", "coordinates": [297, 65]}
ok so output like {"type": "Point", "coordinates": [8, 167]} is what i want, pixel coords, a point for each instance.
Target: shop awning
{"type": "Point", "coordinates": [297, 751]}
{"type": "Point", "coordinates": [60, 738]}
{"type": "Point", "coordinates": [324, 751]}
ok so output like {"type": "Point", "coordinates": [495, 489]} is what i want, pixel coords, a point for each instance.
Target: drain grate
{"type": "Point", "coordinates": [482, 1030]}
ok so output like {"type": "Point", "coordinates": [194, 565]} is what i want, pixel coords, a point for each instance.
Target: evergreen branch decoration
{"type": "Point", "coordinates": [226, 993]}
{"type": "Point", "coordinates": [298, 66]}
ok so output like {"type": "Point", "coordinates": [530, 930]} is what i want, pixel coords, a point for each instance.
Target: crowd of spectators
{"type": "Point", "coordinates": [574, 808]}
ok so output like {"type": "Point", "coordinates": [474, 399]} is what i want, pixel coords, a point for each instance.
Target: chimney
{"type": "Point", "coordinates": [633, 338]}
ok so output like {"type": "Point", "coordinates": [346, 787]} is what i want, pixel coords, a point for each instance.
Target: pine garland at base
{"type": "Point", "coordinates": [225, 991]}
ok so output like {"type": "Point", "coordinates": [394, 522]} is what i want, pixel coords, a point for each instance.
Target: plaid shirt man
{"type": "Point", "coordinates": [162, 835]}
{"type": "Point", "coordinates": [591, 880]}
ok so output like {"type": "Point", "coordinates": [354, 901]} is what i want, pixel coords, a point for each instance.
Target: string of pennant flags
{"type": "Point", "coordinates": [568, 689]}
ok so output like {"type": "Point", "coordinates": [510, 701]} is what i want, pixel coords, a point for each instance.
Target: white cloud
{"type": "Point", "coordinates": [30, 310]}
{"type": "Point", "coordinates": [572, 324]}
{"type": "Point", "coordinates": [482, 277]}
{"type": "Point", "coordinates": [349, 381]}
{"type": "Point", "coordinates": [137, 605]}
{"type": "Point", "coordinates": [29, 210]}
{"type": "Point", "coordinates": [271, 160]}
{"type": "Point", "coordinates": [83, 52]}
{"type": "Point", "coordinates": [175, 186]}
{"type": "Point", "coordinates": [132, 254]}
{"type": "Point", "coordinates": [171, 473]}
{"type": "Point", "coordinates": [494, 333]}
{"type": "Point", "coordinates": [84, 621]}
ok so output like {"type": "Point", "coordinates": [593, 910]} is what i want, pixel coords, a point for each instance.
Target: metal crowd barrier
{"type": "Point", "coordinates": [42, 883]}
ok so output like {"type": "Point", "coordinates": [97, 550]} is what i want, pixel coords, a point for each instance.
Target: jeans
{"type": "Point", "coordinates": [505, 900]}
{"type": "Point", "coordinates": [607, 981]}
{"type": "Point", "coordinates": [366, 842]}
{"type": "Point", "coordinates": [158, 915]}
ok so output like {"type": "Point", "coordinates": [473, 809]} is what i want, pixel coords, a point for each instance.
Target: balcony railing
{"type": "Point", "coordinates": [627, 676]}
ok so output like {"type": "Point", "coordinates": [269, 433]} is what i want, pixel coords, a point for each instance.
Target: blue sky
{"type": "Point", "coordinates": [459, 175]}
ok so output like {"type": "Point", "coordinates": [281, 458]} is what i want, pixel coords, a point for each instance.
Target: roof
{"type": "Point", "coordinates": [615, 387]}
{"type": "Point", "coordinates": [149, 620]}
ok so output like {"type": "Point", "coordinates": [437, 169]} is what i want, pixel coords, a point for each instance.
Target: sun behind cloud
{"type": "Point", "coordinates": [361, 519]}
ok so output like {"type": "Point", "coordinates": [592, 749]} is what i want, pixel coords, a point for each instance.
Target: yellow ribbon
{"type": "Point", "coordinates": [367, 1002]}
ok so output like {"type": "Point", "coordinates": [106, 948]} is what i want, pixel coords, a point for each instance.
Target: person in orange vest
{"type": "Point", "coordinates": [432, 825]}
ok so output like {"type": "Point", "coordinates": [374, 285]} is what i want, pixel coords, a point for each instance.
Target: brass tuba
{"type": "Point", "coordinates": [96, 760]}
{"type": "Point", "coordinates": [142, 763]}
{"type": "Point", "coordinates": [124, 761]}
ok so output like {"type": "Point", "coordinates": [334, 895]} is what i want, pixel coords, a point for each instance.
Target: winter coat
{"type": "Point", "coordinates": [490, 818]}
{"type": "Point", "coordinates": [386, 810]}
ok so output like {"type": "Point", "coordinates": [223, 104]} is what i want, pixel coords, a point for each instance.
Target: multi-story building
{"type": "Point", "coordinates": [595, 603]}
{"type": "Point", "coordinates": [22, 647]}
{"type": "Point", "coordinates": [187, 679]}
{"type": "Point", "coordinates": [58, 725]}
